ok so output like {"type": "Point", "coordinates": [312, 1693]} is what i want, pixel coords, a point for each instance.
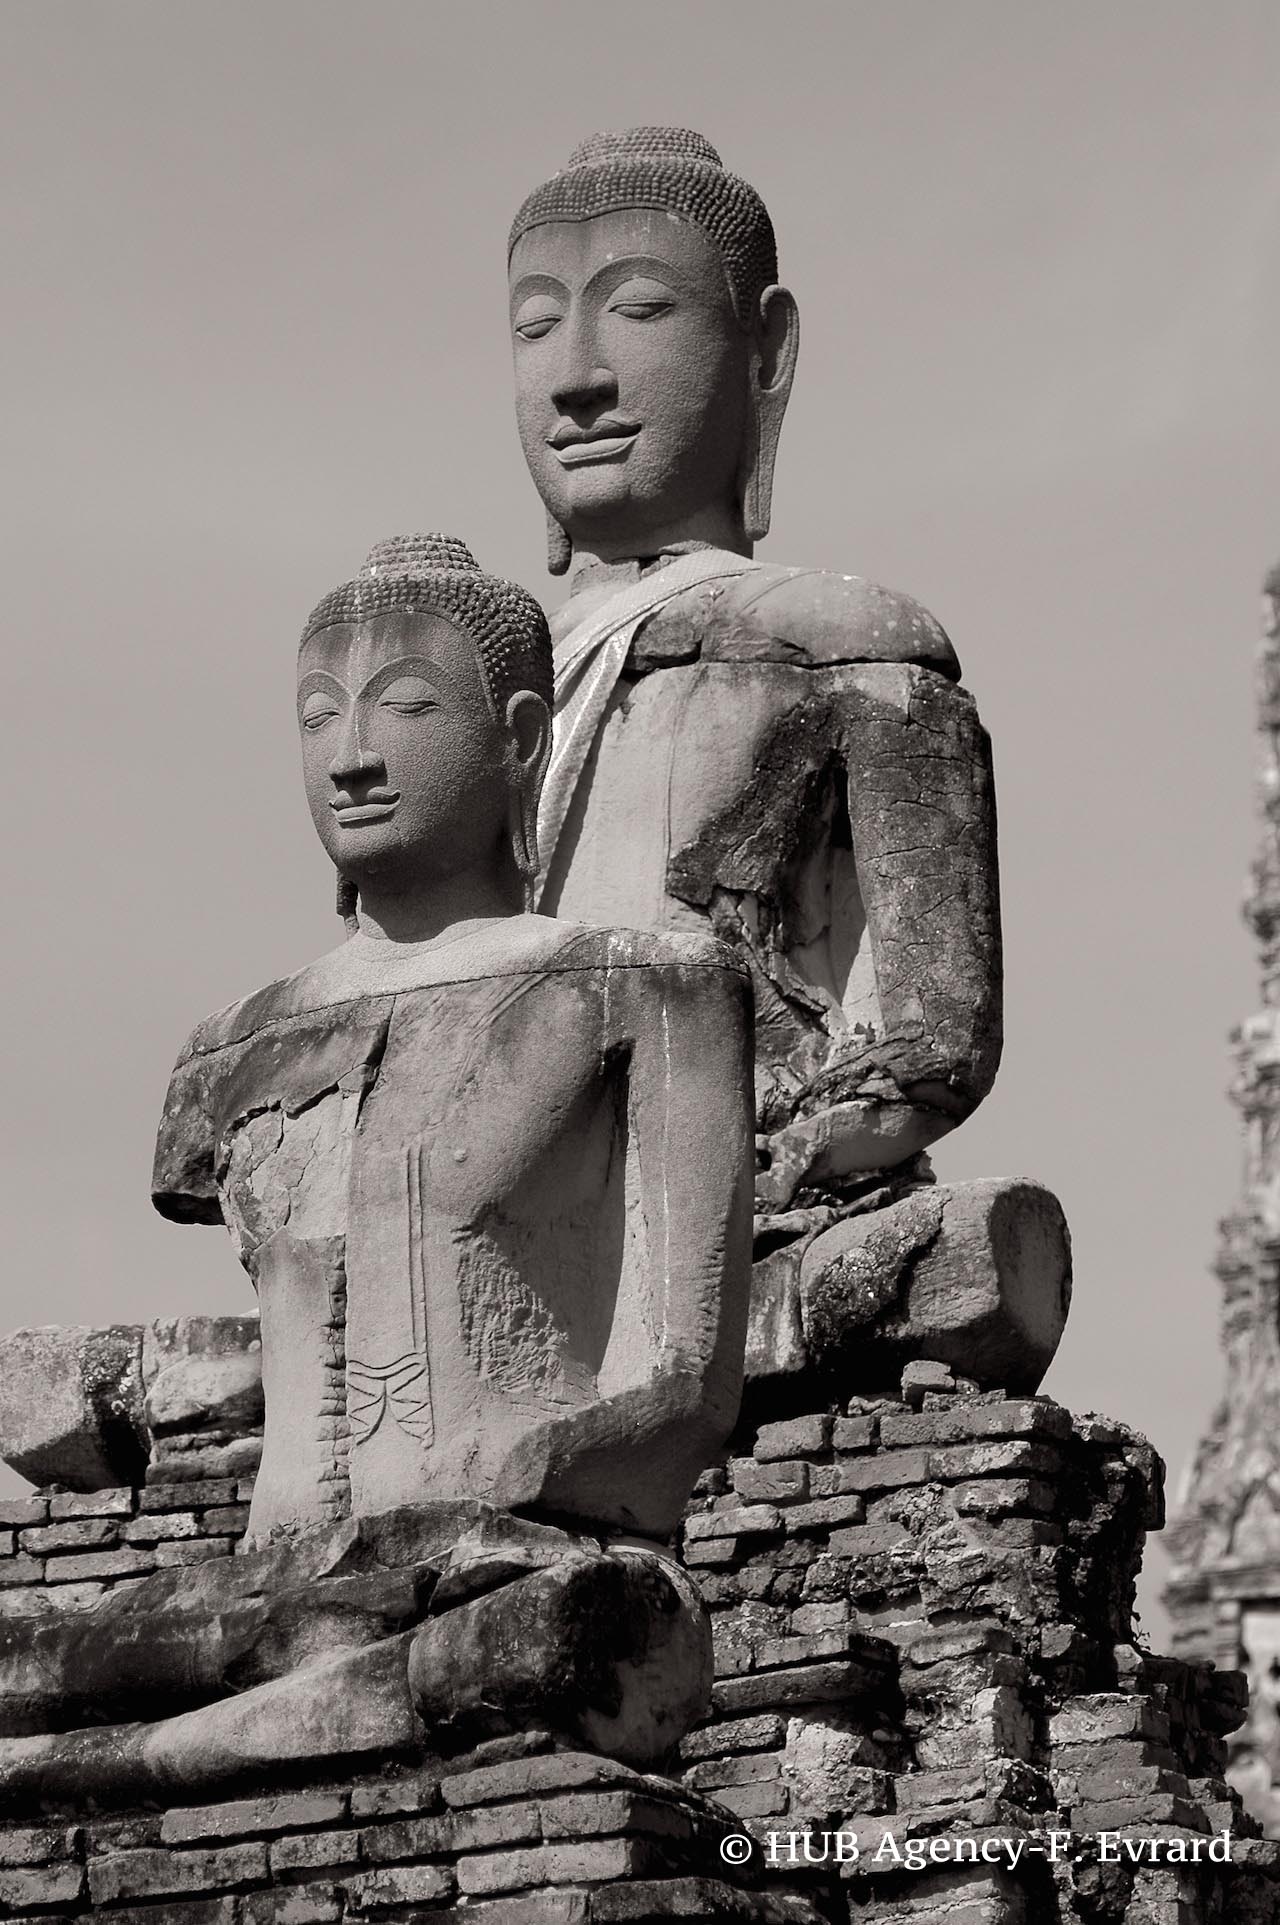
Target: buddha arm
{"type": "Point", "coordinates": [676, 1350]}
{"type": "Point", "coordinates": [921, 1037]}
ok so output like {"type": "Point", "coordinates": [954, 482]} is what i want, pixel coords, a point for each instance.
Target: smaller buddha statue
{"type": "Point", "coordinates": [490, 1175]}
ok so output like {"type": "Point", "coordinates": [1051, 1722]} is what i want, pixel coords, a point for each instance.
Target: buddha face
{"type": "Point", "coordinates": [632, 375]}
{"type": "Point", "coordinates": [408, 772]}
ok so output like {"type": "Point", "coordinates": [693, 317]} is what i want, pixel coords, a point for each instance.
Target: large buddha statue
{"type": "Point", "coordinates": [490, 1176]}
{"type": "Point", "coordinates": [782, 756]}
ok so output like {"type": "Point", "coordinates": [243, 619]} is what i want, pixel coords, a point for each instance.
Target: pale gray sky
{"type": "Point", "coordinates": [254, 319]}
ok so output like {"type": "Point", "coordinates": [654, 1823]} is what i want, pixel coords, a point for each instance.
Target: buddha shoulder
{"type": "Point", "coordinates": [804, 617]}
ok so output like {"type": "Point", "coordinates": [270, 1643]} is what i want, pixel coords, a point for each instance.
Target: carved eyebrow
{"type": "Point", "coordinates": [636, 266]}
{"type": "Point", "coordinates": [318, 681]}
{"type": "Point", "coordinates": [419, 665]}
{"type": "Point", "coordinates": [537, 284]}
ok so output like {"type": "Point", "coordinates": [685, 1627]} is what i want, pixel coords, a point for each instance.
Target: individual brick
{"type": "Point", "coordinates": [252, 1817]}
{"type": "Point", "coordinates": [313, 1851]}
{"type": "Point", "coordinates": [393, 1885]}
{"type": "Point", "coordinates": [586, 1814]}
{"type": "Point", "coordinates": [854, 1433]}
{"type": "Point", "coordinates": [965, 1423]}
{"type": "Point", "coordinates": [760, 1733]}
{"type": "Point", "coordinates": [40, 1887]}
{"type": "Point", "coordinates": [17, 1512]}
{"type": "Point", "coordinates": [824, 1513]}
{"type": "Point", "coordinates": [304, 1905]}
{"type": "Point", "coordinates": [402, 1795]}
{"type": "Point", "coordinates": [156, 1873]}
{"type": "Point", "coordinates": [188, 1497]}
{"type": "Point", "coordinates": [231, 1518]}
{"type": "Point", "coordinates": [406, 1838]}
{"type": "Point", "coordinates": [191, 1551]}
{"type": "Point", "coordinates": [37, 1844]}
{"type": "Point", "coordinates": [526, 1777]}
{"type": "Point", "coordinates": [155, 1526]}
{"type": "Point", "coordinates": [780, 1483]}
{"type": "Point", "coordinates": [491, 1827]}
{"type": "Point", "coordinates": [586, 1862]}
{"type": "Point", "coordinates": [20, 1569]}
{"type": "Point", "coordinates": [1088, 1719]}
{"type": "Point", "coordinates": [887, 1470]}
{"type": "Point", "coordinates": [798, 1437]}
{"type": "Point", "coordinates": [115, 1503]}
{"type": "Point", "coordinates": [84, 1534]}
{"type": "Point", "coordinates": [100, 1564]}
{"type": "Point", "coordinates": [753, 1520]}
{"type": "Point", "coordinates": [834, 1683]}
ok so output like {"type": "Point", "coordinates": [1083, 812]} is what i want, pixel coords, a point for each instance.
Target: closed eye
{"type": "Point", "coordinates": [316, 718]}
{"type": "Point", "coordinates": [641, 310]}
{"type": "Point", "coordinates": [403, 707]}
{"type": "Point", "coordinates": [536, 327]}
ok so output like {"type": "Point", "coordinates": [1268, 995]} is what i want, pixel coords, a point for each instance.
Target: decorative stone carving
{"type": "Point", "coordinates": [780, 755]}
{"type": "Point", "coordinates": [490, 1175]}
{"type": "Point", "coordinates": [1224, 1541]}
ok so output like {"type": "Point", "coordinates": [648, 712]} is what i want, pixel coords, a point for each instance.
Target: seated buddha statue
{"type": "Point", "coordinates": [489, 1174]}
{"type": "Point", "coordinates": [782, 756]}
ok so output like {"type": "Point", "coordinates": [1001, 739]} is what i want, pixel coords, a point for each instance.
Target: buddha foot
{"type": "Point", "coordinates": [973, 1275]}
{"type": "Point", "coordinates": [417, 1632]}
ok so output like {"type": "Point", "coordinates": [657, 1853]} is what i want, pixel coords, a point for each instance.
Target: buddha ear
{"type": "Point", "coordinates": [529, 723]}
{"type": "Point", "coordinates": [774, 347]}
{"type": "Point", "coordinates": [559, 547]}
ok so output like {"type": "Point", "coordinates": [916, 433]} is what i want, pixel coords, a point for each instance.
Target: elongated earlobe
{"type": "Point", "coordinates": [773, 367]}
{"type": "Point", "coordinates": [559, 547]}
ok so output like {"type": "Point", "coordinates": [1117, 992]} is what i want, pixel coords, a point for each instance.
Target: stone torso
{"type": "Point", "coordinates": [431, 1176]}
{"type": "Point", "coordinates": [787, 759]}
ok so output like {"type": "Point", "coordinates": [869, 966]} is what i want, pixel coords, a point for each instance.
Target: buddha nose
{"type": "Point", "coordinates": [579, 382]}
{"type": "Point", "coordinates": [351, 762]}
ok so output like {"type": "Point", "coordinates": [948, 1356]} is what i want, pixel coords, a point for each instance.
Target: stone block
{"type": "Point", "coordinates": [72, 1408]}
{"type": "Point", "coordinates": [975, 1276]}
{"type": "Point", "coordinates": [128, 1562]}
{"type": "Point", "coordinates": [17, 1512]}
{"type": "Point", "coordinates": [748, 1520]}
{"type": "Point", "coordinates": [304, 1905]}
{"type": "Point", "coordinates": [194, 1550]}
{"type": "Point", "coordinates": [584, 1862]}
{"type": "Point", "coordinates": [313, 1851]}
{"type": "Point", "coordinates": [798, 1437]}
{"type": "Point", "coordinates": [37, 1844]}
{"type": "Point", "coordinates": [405, 1839]}
{"type": "Point", "coordinates": [187, 1496]}
{"type": "Point", "coordinates": [20, 1569]}
{"type": "Point", "coordinates": [390, 1800]}
{"type": "Point", "coordinates": [527, 1777]}
{"type": "Point", "coordinates": [781, 1483]}
{"type": "Point", "coordinates": [252, 1817]}
{"type": "Point", "coordinates": [490, 1827]}
{"type": "Point", "coordinates": [155, 1873]}
{"type": "Point", "coordinates": [40, 1887]}
{"type": "Point", "coordinates": [390, 1886]}
{"type": "Point", "coordinates": [85, 1534]}
{"type": "Point", "coordinates": [108, 1503]}
{"type": "Point", "coordinates": [760, 1733]}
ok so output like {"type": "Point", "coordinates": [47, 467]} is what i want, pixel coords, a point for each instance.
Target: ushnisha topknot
{"type": "Point", "coordinates": [439, 575]}
{"type": "Point", "coordinates": [675, 171]}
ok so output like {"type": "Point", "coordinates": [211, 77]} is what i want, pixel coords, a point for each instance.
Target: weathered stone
{"type": "Point", "coordinates": [977, 1276]}
{"type": "Point", "coordinates": [105, 1503]}
{"type": "Point", "coordinates": [72, 1407]}
{"type": "Point", "coordinates": [158, 1874]}
{"type": "Point", "coordinates": [252, 1817]}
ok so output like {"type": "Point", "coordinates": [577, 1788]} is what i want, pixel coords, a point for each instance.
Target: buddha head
{"type": "Point", "coordinates": [424, 691]}
{"type": "Point", "coordinates": [654, 350]}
